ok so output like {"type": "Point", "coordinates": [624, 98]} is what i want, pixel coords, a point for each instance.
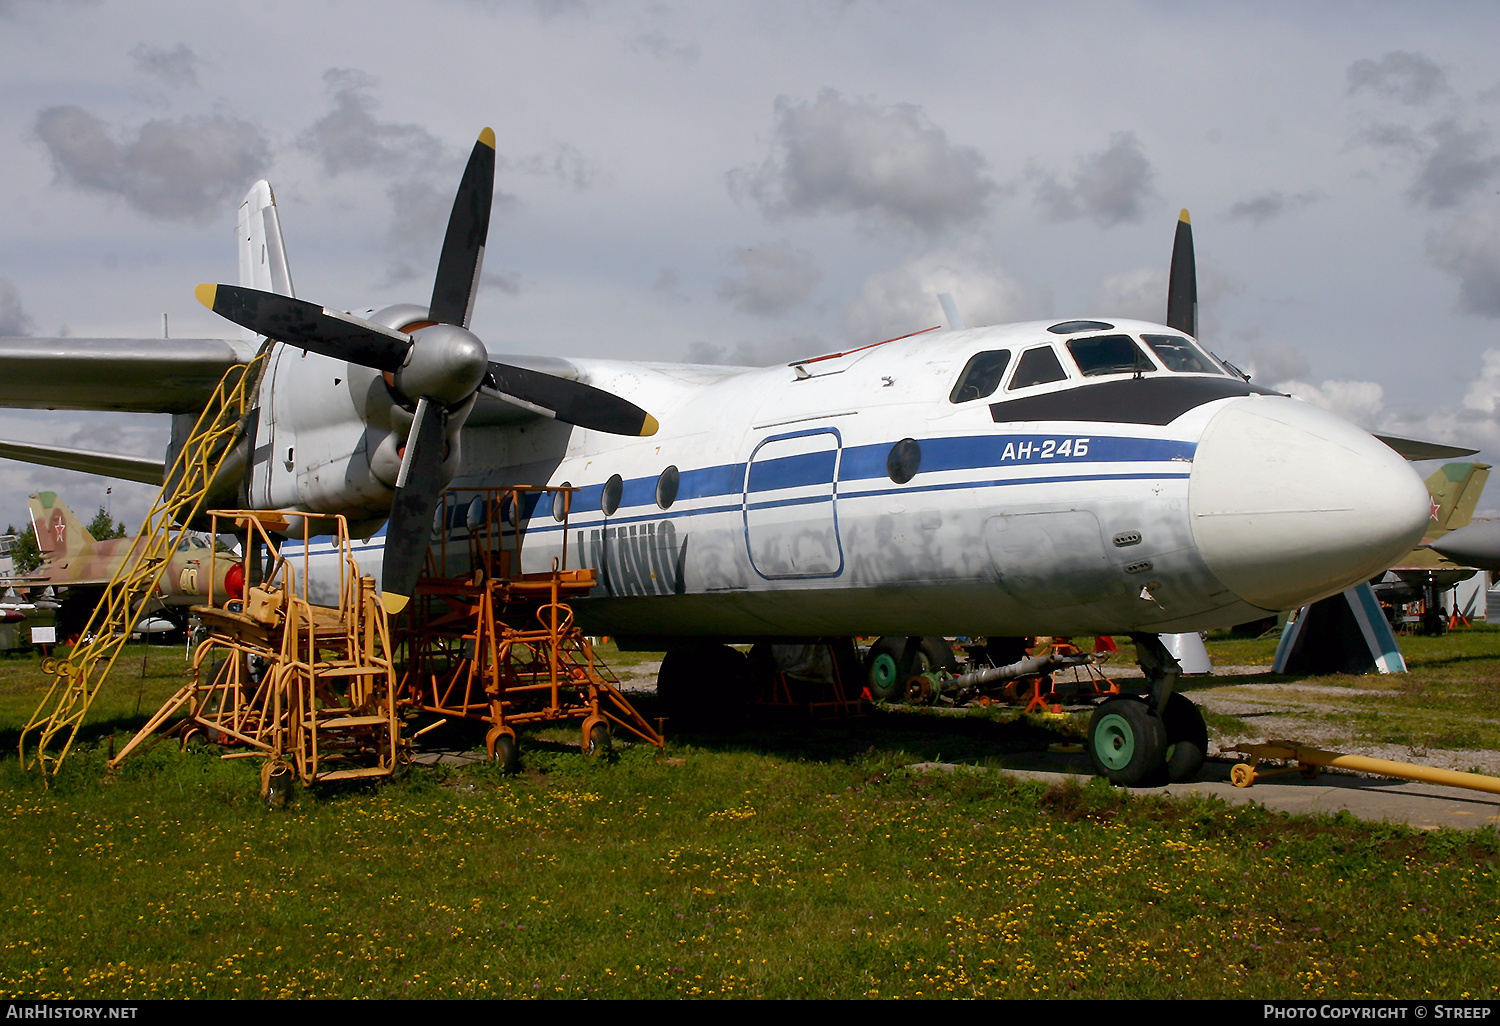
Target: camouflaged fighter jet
{"type": "Point", "coordinates": [78, 566]}
{"type": "Point", "coordinates": [1455, 489]}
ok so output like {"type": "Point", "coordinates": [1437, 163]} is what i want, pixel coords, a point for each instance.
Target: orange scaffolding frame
{"type": "Point", "coordinates": [495, 645]}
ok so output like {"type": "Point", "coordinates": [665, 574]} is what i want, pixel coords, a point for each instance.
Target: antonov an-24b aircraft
{"type": "Point", "coordinates": [1057, 477]}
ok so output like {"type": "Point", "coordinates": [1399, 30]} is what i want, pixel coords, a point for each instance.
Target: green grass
{"type": "Point", "coordinates": [784, 861]}
{"type": "Point", "coordinates": [1449, 698]}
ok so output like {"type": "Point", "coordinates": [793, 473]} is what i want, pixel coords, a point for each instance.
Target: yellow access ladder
{"type": "Point", "coordinates": [78, 678]}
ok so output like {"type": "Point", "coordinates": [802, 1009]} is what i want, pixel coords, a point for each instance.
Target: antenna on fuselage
{"type": "Point", "coordinates": [950, 311]}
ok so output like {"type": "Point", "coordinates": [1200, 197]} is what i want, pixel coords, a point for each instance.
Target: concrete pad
{"type": "Point", "coordinates": [1374, 799]}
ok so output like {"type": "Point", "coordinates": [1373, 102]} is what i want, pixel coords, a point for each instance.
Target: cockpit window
{"type": "Point", "coordinates": [1109, 354]}
{"type": "Point", "coordinates": [1037, 367]}
{"type": "Point", "coordinates": [1179, 354]}
{"type": "Point", "coordinates": [981, 376]}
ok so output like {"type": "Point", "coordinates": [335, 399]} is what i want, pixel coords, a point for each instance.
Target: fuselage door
{"type": "Point", "coordinates": [791, 520]}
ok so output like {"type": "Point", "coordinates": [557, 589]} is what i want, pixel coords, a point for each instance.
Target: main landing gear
{"type": "Point", "coordinates": [1153, 739]}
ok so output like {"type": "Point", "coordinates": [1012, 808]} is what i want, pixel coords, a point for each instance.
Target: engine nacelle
{"type": "Point", "coordinates": [335, 433]}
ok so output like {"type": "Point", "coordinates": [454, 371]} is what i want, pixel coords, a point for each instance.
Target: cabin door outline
{"type": "Point", "coordinates": [790, 505]}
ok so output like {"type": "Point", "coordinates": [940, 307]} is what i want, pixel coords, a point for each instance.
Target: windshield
{"type": "Point", "coordinates": [1109, 354]}
{"type": "Point", "coordinates": [981, 376]}
{"type": "Point", "coordinates": [1181, 355]}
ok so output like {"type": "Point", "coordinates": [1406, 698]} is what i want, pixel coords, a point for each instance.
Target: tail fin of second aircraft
{"type": "Point", "coordinates": [1455, 489]}
{"type": "Point", "coordinates": [58, 531]}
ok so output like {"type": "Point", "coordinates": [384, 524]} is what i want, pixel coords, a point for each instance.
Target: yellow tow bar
{"type": "Point", "coordinates": [1309, 761]}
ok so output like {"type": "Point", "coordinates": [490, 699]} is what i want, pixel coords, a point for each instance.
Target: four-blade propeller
{"type": "Point", "coordinates": [437, 365]}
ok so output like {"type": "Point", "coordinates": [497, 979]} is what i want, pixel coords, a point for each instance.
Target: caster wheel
{"type": "Point", "coordinates": [600, 745]}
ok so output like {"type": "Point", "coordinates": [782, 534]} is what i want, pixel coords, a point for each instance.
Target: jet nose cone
{"type": "Point", "coordinates": [1290, 503]}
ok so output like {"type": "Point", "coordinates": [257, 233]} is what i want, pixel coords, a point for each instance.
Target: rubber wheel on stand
{"type": "Point", "coordinates": [507, 754]}
{"type": "Point", "coordinates": [600, 745]}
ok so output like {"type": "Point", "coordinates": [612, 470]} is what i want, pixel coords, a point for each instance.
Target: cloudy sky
{"type": "Point", "coordinates": [749, 182]}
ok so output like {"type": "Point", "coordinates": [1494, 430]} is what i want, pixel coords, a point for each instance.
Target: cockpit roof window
{"type": "Point", "coordinates": [1109, 354]}
{"type": "Point", "coordinates": [1037, 367]}
{"type": "Point", "coordinates": [1180, 355]}
{"type": "Point", "coordinates": [981, 376]}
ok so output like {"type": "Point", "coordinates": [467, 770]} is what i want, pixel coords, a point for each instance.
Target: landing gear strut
{"type": "Point", "coordinates": [1151, 739]}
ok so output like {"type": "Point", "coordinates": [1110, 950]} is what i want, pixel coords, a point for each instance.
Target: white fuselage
{"type": "Point", "coordinates": [1136, 500]}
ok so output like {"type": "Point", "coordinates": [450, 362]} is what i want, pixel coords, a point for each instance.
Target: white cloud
{"type": "Point", "coordinates": [1469, 250]}
{"type": "Point", "coordinates": [1276, 361]}
{"type": "Point", "coordinates": [1110, 186]}
{"type": "Point", "coordinates": [771, 279]}
{"type": "Point", "coordinates": [1361, 402]}
{"type": "Point", "coordinates": [1453, 166]}
{"type": "Point", "coordinates": [1475, 422]}
{"type": "Point", "coordinates": [177, 66]}
{"type": "Point", "coordinates": [13, 318]}
{"type": "Point", "coordinates": [887, 162]}
{"type": "Point", "coordinates": [1270, 204]}
{"type": "Point", "coordinates": [1401, 75]}
{"type": "Point", "coordinates": [175, 170]}
{"type": "Point", "coordinates": [348, 138]}
{"type": "Point", "coordinates": [1140, 293]}
{"type": "Point", "coordinates": [767, 352]}
{"type": "Point", "coordinates": [904, 299]}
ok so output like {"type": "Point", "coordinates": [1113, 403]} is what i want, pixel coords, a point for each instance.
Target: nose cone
{"type": "Point", "coordinates": [1290, 503]}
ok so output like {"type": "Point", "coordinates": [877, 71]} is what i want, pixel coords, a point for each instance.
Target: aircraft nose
{"type": "Point", "coordinates": [1290, 503]}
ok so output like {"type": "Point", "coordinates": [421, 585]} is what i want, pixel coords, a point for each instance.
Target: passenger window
{"type": "Point", "coordinates": [1109, 354]}
{"type": "Point", "coordinates": [1180, 355]}
{"type": "Point", "coordinates": [1037, 367]}
{"type": "Point", "coordinates": [981, 376]}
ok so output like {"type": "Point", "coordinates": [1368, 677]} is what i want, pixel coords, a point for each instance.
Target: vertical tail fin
{"type": "Point", "coordinates": [263, 263]}
{"type": "Point", "coordinates": [58, 532]}
{"type": "Point", "coordinates": [1455, 489]}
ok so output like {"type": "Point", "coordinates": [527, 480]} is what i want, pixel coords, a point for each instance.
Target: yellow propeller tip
{"type": "Point", "coordinates": [206, 294]}
{"type": "Point", "coordinates": [488, 137]}
{"type": "Point", "coordinates": [649, 426]}
{"type": "Point", "coordinates": [1183, 217]}
{"type": "Point", "coordinates": [393, 603]}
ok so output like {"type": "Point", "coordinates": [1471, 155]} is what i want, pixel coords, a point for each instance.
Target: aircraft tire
{"type": "Point", "coordinates": [700, 687]}
{"type": "Point", "coordinates": [884, 661]}
{"type": "Point", "coordinates": [1187, 739]}
{"type": "Point", "coordinates": [1127, 742]}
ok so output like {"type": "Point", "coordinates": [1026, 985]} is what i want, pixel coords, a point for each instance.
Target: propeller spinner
{"type": "Point", "coordinates": [437, 366]}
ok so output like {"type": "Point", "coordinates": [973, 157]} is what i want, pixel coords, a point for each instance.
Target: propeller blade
{"type": "Point", "coordinates": [1182, 285]}
{"type": "Point", "coordinates": [419, 485]}
{"type": "Point", "coordinates": [571, 402]}
{"type": "Point", "coordinates": [463, 247]}
{"type": "Point", "coordinates": [308, 326]}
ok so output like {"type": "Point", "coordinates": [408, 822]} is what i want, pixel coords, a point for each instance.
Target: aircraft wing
{"type": "Point", "coordinates": [122, 468]}
{"type": "Point", "coordinates": [1414, 449]}
{"type": "Point", "coordinates": [169, 375]}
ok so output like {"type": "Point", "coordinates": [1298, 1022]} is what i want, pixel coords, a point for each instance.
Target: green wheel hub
{"type": "Point", "coordinates": [1114, 741]}
{"type": "Point", "coordinates": [883, 671]}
